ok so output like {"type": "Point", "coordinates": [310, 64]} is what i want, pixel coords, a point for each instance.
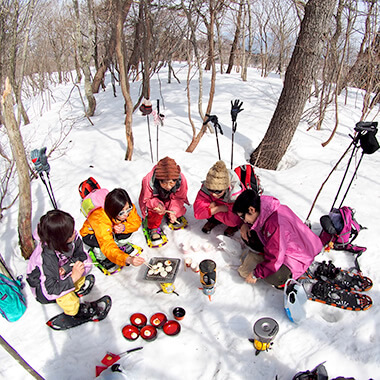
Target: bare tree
{"type": "Point", "coordinates": [25, 204]}
{"type": "Point", "coordinates": [297, 85]}
{"type": "Point", "coordinates": [85, 51]}
{"type": "Point", "coordinates": [235, 42]}
{"type": "Point", "coordinates": [121, 9]}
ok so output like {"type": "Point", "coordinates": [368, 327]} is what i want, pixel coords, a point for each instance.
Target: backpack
{"type": "Point", "coordinates": [94, 200]}
{"type": "Point", "coordinates": [340, 229]}
{"type": "Point", "coordinates": [12, 300]}
{"type": "Point", "coordinates": [248, 178]}
{"type": "Point", "coordinates": [87, 186]}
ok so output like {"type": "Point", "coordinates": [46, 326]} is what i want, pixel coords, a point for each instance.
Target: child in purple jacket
{"type": "Point", "coordinates": [285, 247]}
{"type": "Point", "coordinates": [58, 266]}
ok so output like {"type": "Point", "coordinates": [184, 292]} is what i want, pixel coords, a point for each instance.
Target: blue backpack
{"type": "Point", "coordinates": [12, 300]}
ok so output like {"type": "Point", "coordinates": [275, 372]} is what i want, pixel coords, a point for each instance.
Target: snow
{"type": "Point", "coordinates": [213, 342]}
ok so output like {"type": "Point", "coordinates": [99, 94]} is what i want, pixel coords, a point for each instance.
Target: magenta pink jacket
{"type": "Point", "coordinates": [149, 197]}
{"type": "Point", "coordinates": [286, 239]}
{"type": "Point", "coordinates": [204, 199]}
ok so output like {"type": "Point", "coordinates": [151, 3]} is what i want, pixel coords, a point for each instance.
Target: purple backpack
{"type": "Point", "coordinates": [341, 228]}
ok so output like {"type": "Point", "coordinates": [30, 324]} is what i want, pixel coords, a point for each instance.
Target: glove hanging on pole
{"type": "Point", "coordinates": [146, 110]}
{"type": "Point", "coordinates": [235, 109]}
{"type": "Point", "coordinates": [214, 119]}
{"type": "Point", "coordinates": [42, 167]}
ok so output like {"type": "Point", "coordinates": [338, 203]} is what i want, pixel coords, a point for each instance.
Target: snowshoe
{"type": "Point", "coordinates": [340, 278]}
{"type": "Point", "coordinates": [153, 241]}
{"type": "Point", "coordinates": [131, 249]}
{"type": "Point", "coordinates": [90, 312]}
{"type": "Point", "coordinates": [324, 292]}
{"type": "Point", "coordinates": [179, 225]}
{"type": "Point", "coordinates": [294, 300]}
{"type": "Point", "coordinates": [87, 286]}
{"type": "Point", "coordinates": [105, 265]}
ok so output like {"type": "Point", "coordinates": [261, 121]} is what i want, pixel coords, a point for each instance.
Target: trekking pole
{"type": "Point", "coordinates": [146, 109]}
{"type": "Point", "coordinates": [158, 112]}
{"type": "Point", "coordinates": [235, 109]}
{"type": "Point", "coordinates": [353, 153]}
{"type": "Point", "coordinates": [158, 120]}
{"type": "Point", "coordinates": [42, 167]}
{"type": "Point", "coordinates": [214, 120]}
{"type": "Point", "coordinates": [366, 132]}
{"type": "Point", "coordinates": [150, 139]}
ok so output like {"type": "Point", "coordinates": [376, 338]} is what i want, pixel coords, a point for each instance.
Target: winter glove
{"type": "Point", "coordinates": [39, 160]}
{"type": "Point", "coordinates": [213, 119]}
{"type": "Point", "coordinates": [35, 156]}
{"type": "Point", "coordinates": [236, 108]}
{"type": "Point", "coordinates": [44, 161]}
{"type": "Point", "coordinates": [146, 107]}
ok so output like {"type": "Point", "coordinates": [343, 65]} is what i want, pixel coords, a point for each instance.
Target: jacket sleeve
{"type": "Point", "coordinates": [201, 206]}
{"type": "Point", "coordinates": [52, 284]}
{"type": "Point", "coordinates": [81, 255]}
{"type": "Point", "coordinates": [102, 227]}
{"type": "Point", "coordinates": [179, 199]}
{"type": "Point", "coordinates": [146, 198]}
{"type": "Point", "coordinates": [274, 250]}
{"type": "Point", "coordinates": [133, 221]}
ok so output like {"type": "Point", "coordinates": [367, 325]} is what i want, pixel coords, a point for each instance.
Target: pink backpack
{"type": "Point", "coordinates": [93, 201]}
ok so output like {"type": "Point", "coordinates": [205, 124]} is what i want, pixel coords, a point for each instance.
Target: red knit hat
{"type": "Point", "coordinates": [167, 168]}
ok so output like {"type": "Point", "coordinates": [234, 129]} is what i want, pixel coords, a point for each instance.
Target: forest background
{"type": "Point", "coordinates": [320, 48]}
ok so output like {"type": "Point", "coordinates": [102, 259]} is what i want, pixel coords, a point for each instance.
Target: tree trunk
{"type": "Point", "coordinates": [297, 85]}
{"type": "Point", "coordinates": [202, 131]}
{"type": "Point", "coordinates": [236, 39]}
{"type": "Point", "coordinates": [25, 203]}
{"type": "Point", "coordinates": [84, 58]}
{"type": "Point", "coordinates": [122, 9]}
{"type": "Point", "coordinates": [106, 61]}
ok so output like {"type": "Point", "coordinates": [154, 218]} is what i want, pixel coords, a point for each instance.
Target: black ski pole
{"type": "Point", "coordinates": [214, 119]}
{"type": "Point", "coordinates": [158, 115]}
{"type": "Point", "coordinates": [235, 109]}
{"type": "Point", "coordinates": [150, 138]}
{"type": "Point", "coordinates": [42, 166]}
{"type": "Point", "coordinates": [146, 109]}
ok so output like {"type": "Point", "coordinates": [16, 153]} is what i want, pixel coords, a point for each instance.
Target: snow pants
{"type": "Point", "coordinates": [69, 303]}
{"type": "Point", "coordinates": [252, 259]}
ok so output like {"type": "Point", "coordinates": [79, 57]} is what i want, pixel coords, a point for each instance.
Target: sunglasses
{"type": "Point", "coordinates": [124, 212]}
{"type": "Point", "coordinates": [168, 181]}
{"type": "Point", "coordinates": [215, 191]}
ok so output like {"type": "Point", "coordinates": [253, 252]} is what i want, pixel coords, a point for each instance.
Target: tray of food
{"type": "Point", "coordinates": [162, 269]}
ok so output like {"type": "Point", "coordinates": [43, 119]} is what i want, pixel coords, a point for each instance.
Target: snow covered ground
{"type": "Point", "coordinates": [213, 343]}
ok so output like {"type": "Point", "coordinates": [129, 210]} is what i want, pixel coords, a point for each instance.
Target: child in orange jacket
{"type": "Point", "coordinates": [116, 220]}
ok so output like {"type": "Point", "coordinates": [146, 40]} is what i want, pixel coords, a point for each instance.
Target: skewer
{"type": "Point", "coordinates": [85, 264]}
{"type": "Point", "coordinates": [148, 265]}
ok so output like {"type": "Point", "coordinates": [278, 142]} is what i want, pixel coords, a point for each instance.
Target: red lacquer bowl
{"type": "Point", "coordinates": [130, 332]}
{"type": "Point", "coordinates": [158, 320]}
{"type": "Point", "coordinates": [139, 320]}
{"type": "Point", "coordinates": [171, 328]}
{"type": "Point", "coordinates": [148, 333]}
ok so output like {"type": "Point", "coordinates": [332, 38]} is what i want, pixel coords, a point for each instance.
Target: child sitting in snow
{"type": "Point", "coordinates": [58, 266]}
{"type": "Point", "coordinates": [117, 220]}
{"type": "Point", "coordinates": [285, 247]}
{"type": "Point", "coordinates": [216, 197]}
{"type": "Point", "coordinates": [163, 192]}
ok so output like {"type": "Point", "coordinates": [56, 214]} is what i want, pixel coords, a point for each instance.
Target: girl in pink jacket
{"type": "Point", "coordinates": [163, 192]}
{"type": "Point", "coordinates": [286, 246]}
{"type": "Point", "coordinates": [216, 197]}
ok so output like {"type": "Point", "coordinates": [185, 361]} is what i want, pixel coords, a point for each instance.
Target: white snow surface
{"type": "Point", "coordinates": [213, 342]}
